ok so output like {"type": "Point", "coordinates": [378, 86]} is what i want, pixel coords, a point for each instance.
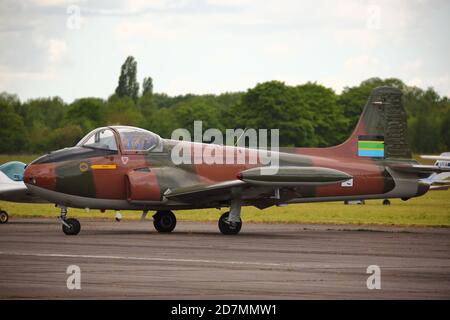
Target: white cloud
{"type": "Point", "coordinates": [441, 83]}
{"type": "Point", "coordinates": [146, 30]}
{"type": "Point", "coordinates": [412, 66]}
{"type": "Point", "coordinates": [216, 45]}
{"type": "Point", "coordinates": [363, 63]}
{"type": "Point", "coordinates": [51, 3]}
{"type": "Point", "coordinates": [57, 49]}
{"type": "Point", "coordinates": [137, 5]}
{"type": "Point", "coordinates": [232, 2]}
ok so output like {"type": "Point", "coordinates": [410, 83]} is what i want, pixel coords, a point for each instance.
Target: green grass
{"type": "Point", "coordinates": [432, 209]}
{"type": "Point", "coordinates": [25, 158]}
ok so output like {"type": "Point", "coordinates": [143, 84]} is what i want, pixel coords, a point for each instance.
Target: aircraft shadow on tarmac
{"type": "Point", "coordinates": [213, 233]}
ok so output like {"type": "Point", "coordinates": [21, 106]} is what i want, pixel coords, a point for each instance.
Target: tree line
{"type": "Point", "coordinates": [308, 115]}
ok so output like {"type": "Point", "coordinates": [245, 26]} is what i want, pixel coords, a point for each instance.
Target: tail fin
{"type": "Point", "coordinates": [381, 131]}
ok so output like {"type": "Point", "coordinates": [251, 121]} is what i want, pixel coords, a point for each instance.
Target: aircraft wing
{"type": "Point", "coordinates": [258, 183]}
{"type": "Point", "coordinates": [18, 193]}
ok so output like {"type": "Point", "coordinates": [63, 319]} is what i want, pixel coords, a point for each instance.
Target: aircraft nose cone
{"type": "Point", "coordinates": [40, 175]}
{"type": "Point", "coordinates": [29, 175]}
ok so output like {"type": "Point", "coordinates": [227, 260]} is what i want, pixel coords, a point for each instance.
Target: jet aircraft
{"type": "Point", "coordinates": [120, 167]}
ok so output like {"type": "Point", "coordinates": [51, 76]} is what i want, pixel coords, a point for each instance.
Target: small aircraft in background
{"type": "Point", "coordinates": [119, 167]}
{"type": "Point", "coordinates": [12, 187]}
{"type": "Point", "coordinates": [439, 181]}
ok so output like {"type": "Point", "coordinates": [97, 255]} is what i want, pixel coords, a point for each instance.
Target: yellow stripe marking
{"type": "Point", "coordinates": [370, 141]}
{"type": "Point", "coordinates": [103, 166]}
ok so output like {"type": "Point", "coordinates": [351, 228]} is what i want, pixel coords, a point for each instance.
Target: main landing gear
{"type": "Point", "coordinates": [71, 226]}
{"type": "Point", "coordinates": [3, 217]}
{"type": "Point", "coordinates": [230, 222]}
{"type": "Point", "coordinates": [164, 221]}
{"type": "Point", "coordinates": [227, 227]}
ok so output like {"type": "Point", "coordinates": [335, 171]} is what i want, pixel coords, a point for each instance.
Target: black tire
{"type": "Point", "coordinates": [3, 217]}
{"type": "Point", "coordinates": [164, 221]}
{"type": "Point", "coordinates": [74, 227]}
{"type": "Point", "coordinates": [386, 202]}
{"type": "Point", "coordinates": [227, 228]}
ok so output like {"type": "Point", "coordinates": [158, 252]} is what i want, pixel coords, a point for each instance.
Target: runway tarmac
{"type": "Point", "coordinates": [265, 261]}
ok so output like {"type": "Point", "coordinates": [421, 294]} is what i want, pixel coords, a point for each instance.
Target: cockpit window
{"type": "Point", "coordinates": [135, 139]}
{"type": "Point", "coordinates": [101, 139]}
{"type": "Point", "coordinates": [14, 170]}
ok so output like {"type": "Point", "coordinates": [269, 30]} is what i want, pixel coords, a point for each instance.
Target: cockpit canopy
{"type": "Point", "coordinates": [130, 139]}
{"type": "Point", "coordinates": [13, 170]}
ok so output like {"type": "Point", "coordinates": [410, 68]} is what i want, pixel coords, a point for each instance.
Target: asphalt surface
{"type": "Point", "coordinates": [266, 261]}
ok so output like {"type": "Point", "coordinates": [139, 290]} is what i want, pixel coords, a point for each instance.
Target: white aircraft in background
{"type": "Point", "coordinates": [12, 187]}
{"type": "Point", "coordinates": [439, 181]}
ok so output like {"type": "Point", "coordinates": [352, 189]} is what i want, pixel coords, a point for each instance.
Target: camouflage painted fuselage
{"type": "Point", "coordinates": [105, 179]}
{"type": "Point", "coordinates": [78, 177]}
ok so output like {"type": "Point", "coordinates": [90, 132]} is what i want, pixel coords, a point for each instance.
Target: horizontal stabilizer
{"type": "Point", "coordinates": [441, 182]}
{"type": "Point", "coordinates": [439, 188]}
{"type": "Point", "coordinates": [420, 168]}
{"type": "Point", "coordinates": [292, 176]}
{"type": "Point", "coordinates": [442, 158]}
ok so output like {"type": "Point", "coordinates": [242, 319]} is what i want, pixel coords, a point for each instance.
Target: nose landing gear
{"type": "Point", "coordinates": [3, 217]}
{"type": "Point", "coordinates": [71, 226]}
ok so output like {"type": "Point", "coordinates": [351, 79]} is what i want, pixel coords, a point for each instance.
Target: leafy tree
{"type": "Point", "coordinates": [49, 111]}
{"type": "Point", "coordinates": [128, 85]}
{"type": "Point", "coordinates": [147, 86]}
{"type": "Point", "coordinates": [162, 122]}
{"type": "Point", "coordinates": [86, 113]}
{"type": "Point", "coordinates": [308, 115]}
{"type": "Point", "coordinates": [273, 105]}
{"type": "Point", "coordinates": [197, 108]}
{"type": "Point", "coordinates": [353, 99]}
{"type": "Point", "coordinates": [12, 129]}
{"type": "Point", "coordinates": [65, 136]}
{"type": "Point", "coordinates": [39, 138]}
{"type": "Point", "coordinates": [122, 111]}
{"type": "Point", "coordinates": [445, 131]}
{"type": "Point", "coordinates": [146, 102]}
{"type": "Point", "coordinates": [424, 135]}
{"type": "Point", "coordinates": [327, 119]}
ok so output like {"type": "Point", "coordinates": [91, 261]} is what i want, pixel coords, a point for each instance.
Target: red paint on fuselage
{"type": "Point", "coordinates": [43, 175]}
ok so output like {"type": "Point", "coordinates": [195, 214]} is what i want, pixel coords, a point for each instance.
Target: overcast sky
{"type": "Point", "coordinates": [75, 49]}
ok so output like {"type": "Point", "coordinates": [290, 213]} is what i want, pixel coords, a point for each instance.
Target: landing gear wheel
{"type": "Point", "coordinates": [386, 202]}
{"type": "Point", "coordinates": [164, 221]}
{"type": "Point", "coordinates": [229, 228]}
{"type": "Point", "coordinates": [73, 227]}
{"type": "Point", "coordinates": [3, 217]}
